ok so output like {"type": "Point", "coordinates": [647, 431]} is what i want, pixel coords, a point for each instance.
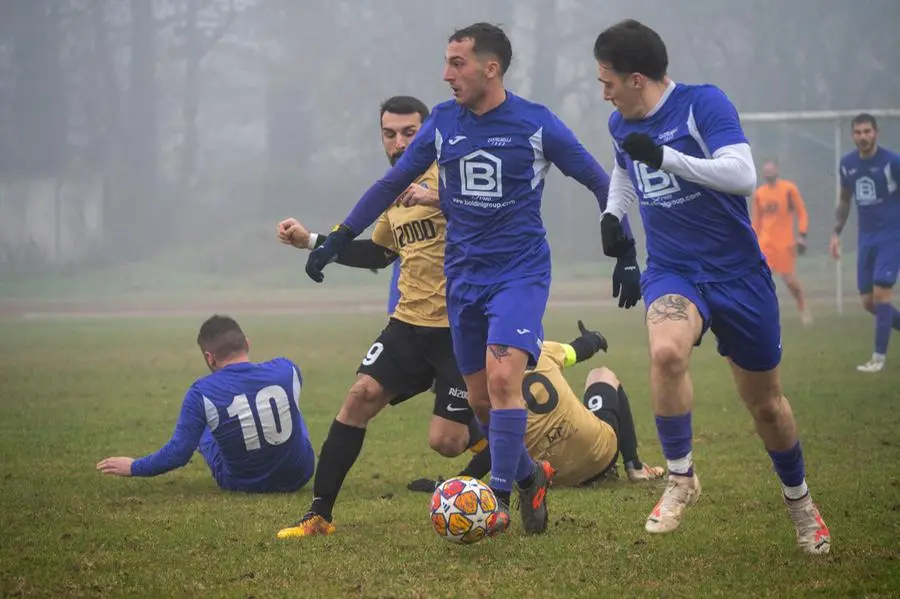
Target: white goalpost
{"type": "Point", "coordinates": [837, 118]}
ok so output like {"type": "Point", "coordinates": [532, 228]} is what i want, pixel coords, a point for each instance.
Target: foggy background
{"type": "Point", "coordinates": [152, 145]}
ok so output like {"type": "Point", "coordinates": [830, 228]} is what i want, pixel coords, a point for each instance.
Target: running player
{"type": "Point", "coordinates": [494, 150]}
{"type": "Point", "coordinates": [681, 152]}
{"type": "Point", "coordinates": [869, 175]}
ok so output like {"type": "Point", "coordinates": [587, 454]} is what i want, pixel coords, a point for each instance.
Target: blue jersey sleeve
{"type": "Point", "coordinates": [176, 453]}
{"type": "Point", "coordinates": [563, 149]}
{"type": "Point", "coordinates": [717, 120]}
{"type": "Point", "coordinates": [417, 158]}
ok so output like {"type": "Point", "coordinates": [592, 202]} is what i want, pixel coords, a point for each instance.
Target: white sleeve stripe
{"type": "Point", "coordinates": [212, 414]}
{"type": "Point", "coordinates": [695, 132]}
{"type": "Point", "coordinates": [296, 389]}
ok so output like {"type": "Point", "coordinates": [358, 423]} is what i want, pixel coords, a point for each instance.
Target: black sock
{"type": "Point", "coordinates": [339, 452]}
{"type": "Point", "coordinates": [627, 435]}
{"type": "Point", "coordinates": [527, 482]}
{"type": "Point", "coordinates": [502, 496]}
{"type": "Point", "coordinates": [479, 465]}
{"type": "Point", "coordinates": [476, 437]}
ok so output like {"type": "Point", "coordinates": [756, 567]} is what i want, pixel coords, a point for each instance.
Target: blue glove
{"type": "Point", "coordinates": [334, 244]}
{"type": "Point", "coordinates": [627, 280]}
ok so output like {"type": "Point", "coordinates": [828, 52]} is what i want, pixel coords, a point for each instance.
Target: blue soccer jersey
{"type": "Point", "coordinates": [492, 170]}
{"type": "Point", "coordinates": [700, 244]}
{"type": "Point", "coordinates": [246, 420]}
{"type": "Point", "coordinates": [690, 228]}
{"type": "Point", "coordinates": [873, 183]}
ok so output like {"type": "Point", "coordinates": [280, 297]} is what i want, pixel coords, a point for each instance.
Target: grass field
{"type": "Point", "coordinates": [73, 392]}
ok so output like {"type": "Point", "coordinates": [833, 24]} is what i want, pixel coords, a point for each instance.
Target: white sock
{"type": "Point", "coordinates": [795, 493]}
{"type": "Point", "coordinates": [681, 466]}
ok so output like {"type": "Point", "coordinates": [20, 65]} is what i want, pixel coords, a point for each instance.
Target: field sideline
{"type": "Point", "coordinates": [74, 391]}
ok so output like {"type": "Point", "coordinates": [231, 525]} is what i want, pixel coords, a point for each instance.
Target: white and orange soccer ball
{"type": "Point", "coordinates": [462, 509]}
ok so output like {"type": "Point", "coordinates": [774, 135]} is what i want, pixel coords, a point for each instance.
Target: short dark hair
{"type": "Point", "coordinates": [222, 337]}
{"type": "Point", "coordinates": [487, 39]}
{"type": "Point", "coordinates": [405, 105]}
{"type": "Point", "coordinates": [862, 118]}
{"type": "Point", "coordinates": [631, 47]}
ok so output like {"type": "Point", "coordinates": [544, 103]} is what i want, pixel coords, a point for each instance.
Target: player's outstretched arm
{"type": "Point", "coordinates": [360, 253]}
{"type": "Point", "coordinates": [562, 148]}
{"type": "Point", "coordinates": [177, 452]}
{"type": "Point", "coordinates": [414, 162]}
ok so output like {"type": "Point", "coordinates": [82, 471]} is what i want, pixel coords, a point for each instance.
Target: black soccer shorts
{"type": "Point", "coordinates": [408, 360]}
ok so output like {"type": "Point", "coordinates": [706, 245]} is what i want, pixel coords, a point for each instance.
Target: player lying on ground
{"type": "Point", "coordinates": [681, 152]}
{"type": "Point", "coordinates": [244, 419]}
{"type": "Point", "coordinates": [870, 174]}
{"type": "Point", "coordinates": [580, 439]}
{"type": "Point", "coordinates": [494, 150]}
{"type": "Point", "coordinates": [776, 203]}
{"type": "Point", "coordinates": [414, 351]}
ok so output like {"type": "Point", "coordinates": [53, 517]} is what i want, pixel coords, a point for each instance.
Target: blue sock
{"type": "Point", "coordinates": [506, 439]}
{"type": "Point", "coordinates": [675, 437]}
{"type": "Point", "coordinates": [790, 469]}
{"type": "Point", "coordinates": [884, 315]}
{"type": "Point", "coordinates": [895, 318]}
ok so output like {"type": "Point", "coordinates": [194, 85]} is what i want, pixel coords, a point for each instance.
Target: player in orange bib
{"type": "Point", "coordinates": [776, 204]}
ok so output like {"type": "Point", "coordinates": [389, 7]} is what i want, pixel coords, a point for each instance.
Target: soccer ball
{"type": "Point", "coordinates": [461, 509]}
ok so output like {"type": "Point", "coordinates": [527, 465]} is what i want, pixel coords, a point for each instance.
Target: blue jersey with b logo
{"type": "Point", "coordinates": [873, 181]}
{"type": "Point", "coordinates": [690, 228]}
{"type": "Point", "coordinates": [492, 169]}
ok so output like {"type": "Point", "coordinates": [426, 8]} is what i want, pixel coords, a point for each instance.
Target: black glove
{"type": "Point", "coordinates": [588, 344]}
{"type": "Point", "coordinates": [801, 245]}
{"type": "Point", "coordinates": [336, 241]}
{"type": "Point", "coordinates": [641, 148]}
{"type": "Point", "coordinates": [424, 485]}
{"type": "Point", "coordinates": [627, 280]}
{"type": "Point", "coordinates": [612, 235]}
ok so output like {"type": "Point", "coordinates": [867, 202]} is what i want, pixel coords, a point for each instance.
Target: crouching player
{"type": "Point", "coordinates": [580, 438]}
{"type": "Point", "coordinates": [244, 419]}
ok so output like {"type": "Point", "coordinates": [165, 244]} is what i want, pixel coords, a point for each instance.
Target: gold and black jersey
{"type": "Point", "coordinates": [561, 429]}
{"type": "Point", "coordinates": [418, 234]}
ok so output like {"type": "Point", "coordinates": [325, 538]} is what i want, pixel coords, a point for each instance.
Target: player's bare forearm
{"type": "Point", "coordinates": [842, 212]}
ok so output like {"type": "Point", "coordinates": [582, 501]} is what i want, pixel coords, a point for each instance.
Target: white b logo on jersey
{"type": "Point", "coordinates": [865, 191]}
{"type": "Point", "coordinates": [481, 174]}
{"type": "Point", "coordinates": [654, 183]}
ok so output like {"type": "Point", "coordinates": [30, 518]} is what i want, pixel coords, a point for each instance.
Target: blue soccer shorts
{"type": "Point", "coordinates": [877, 264]}
{"type": "Point", "coordinates": [508, 313]}
{"type": "Point", "coordinates": [742, 313]}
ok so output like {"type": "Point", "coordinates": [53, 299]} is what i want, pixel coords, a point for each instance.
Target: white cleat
{"type": "Point", "coordinates": [875, 364]}
{"type": "Point", "coordinates": [812, 533]}
{"type": "Point", "coordinates": [681, 493]}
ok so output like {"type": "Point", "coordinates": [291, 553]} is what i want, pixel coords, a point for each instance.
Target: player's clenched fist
{"type": "Point", "coordinates": [292, 232]}
{"type": "Point", "coordinates": [641, 148]}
